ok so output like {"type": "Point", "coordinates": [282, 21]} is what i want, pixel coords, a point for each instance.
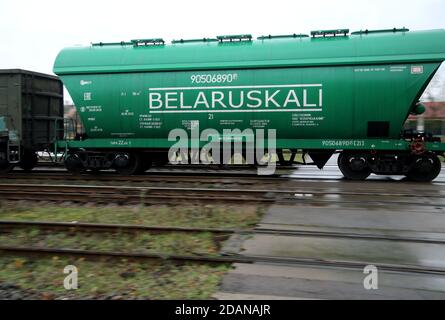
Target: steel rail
{"type": "Point", "coordinates": [127, 194]}
{"type": "Point", "coordinates": [210, 259]}
{"type": "Point", "coordinates": [203, 179]}
{"type": "Point", "coordinates": [111, 227]}
{"type": "Point", "coordinates": [136, 194]}
{"type": "Point", "coordinates": [208, 174]}
{"type": "Point", "coordinates": [296, 192]}
{"type": "Point", "coordinates": [226, 231]}
{"type": "Point", "coordinates": [345, 235]}
{"type": "Point", "coordinates": [152, 176]}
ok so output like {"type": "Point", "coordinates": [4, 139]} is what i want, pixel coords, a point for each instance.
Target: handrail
{"type": "Point", "coordinates": [332, 33]}
{"type": "Point", "coordinates": [380, 31]}
{"type": "Point", "coordinates": [102, 44]}
{"type": "Point", "coordinates": [235, 37]}
{"type": "Point", "coordinates": [194, 40]}
{"type": "Point", "coordinates": [148, 42]}
{"type": "Point", "coordinates": [283, 36]}
{"type": "Point", "coordinates": [134, 42]}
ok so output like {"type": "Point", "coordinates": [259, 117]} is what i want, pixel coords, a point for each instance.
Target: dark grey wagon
{"type": "Point", "coordinates": [31, 116]}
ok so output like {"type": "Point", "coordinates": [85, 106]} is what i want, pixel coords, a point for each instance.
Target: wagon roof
{"type": "Point", "coordinates": [28, 72]}
{"type": "Point", "coordinates": [355, 49]}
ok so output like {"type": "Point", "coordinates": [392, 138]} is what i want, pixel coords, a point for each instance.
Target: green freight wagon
{"type": "Point", "coordinates": [330, 91]}
{"type": "Point", "coordinates": [31, 116]}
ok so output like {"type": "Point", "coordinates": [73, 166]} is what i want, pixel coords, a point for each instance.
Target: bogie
{"type": "Point", "coordinates": [359, 165]}
{"type": "Point", "coordinates": [425, 168]}
{"type": "Point", "coordinates": [353, 166]}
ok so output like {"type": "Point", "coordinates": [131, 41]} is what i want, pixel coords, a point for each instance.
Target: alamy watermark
{"type": "Point", "coordinates": [371, 281]}
{"type": "Point", "coordinates": [257, 147]}
{"type": "Point", "coordinates": [70, 281]}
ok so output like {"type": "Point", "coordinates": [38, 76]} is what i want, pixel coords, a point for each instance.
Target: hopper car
{"type": "Point", "coordinates": [330, 91]}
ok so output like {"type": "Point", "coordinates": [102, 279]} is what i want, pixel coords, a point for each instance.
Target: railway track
{"type": "Point", "coordinates": [205, 176]}
{"type": "Point", "coordinates": [334, 263]}
{"type": "Point", "coordinates": [85, 226]}
{"type": "Point", "coordinates": [130, 228]}
{"type": "Point", "coordinates": [158, 194]}
{"type": "Point", "coordinates": [233, 188]}
{"type": "Point", "coordinates": [205, 258]}
{"type": "Point", "coordinates": [164, 177]}
{"type": "Point", "coordinates": [212, 259]}
{"type": "Point", "coordinates": [128, 195]}
{"type": "Point", "coordinates": [209, 175]}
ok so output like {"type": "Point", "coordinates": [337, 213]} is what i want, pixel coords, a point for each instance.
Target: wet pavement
{"type": "Point", "coordinates": [397, 226]}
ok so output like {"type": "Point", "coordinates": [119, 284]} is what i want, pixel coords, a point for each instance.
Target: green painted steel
{"type": "Point", "coordinates": [326, 144]}
{"type": "Point", "coordinates": [309, 89]}
{"type": "Point", "coordinates": [400, 47]}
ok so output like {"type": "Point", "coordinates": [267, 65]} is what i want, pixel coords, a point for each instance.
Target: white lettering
{"type": "Point", "coordinates": [181, 101]}
{"type": "Point", "coordinates": [151, 99]}
{"type": "Point", "coordinates": [241, 100]}
{"type": "Point", "coordinates": [169, 99]}
{"type": "Point", "coordinates": [261, 98]}
{"type": "Point", "coordinates": [251, 97]}
{"type": "Point", "coordinates": [271, 98]}
{"type": "Point", "coordinates": [201, 99]}
{"type": "Point", "coordinates": [291, 97]}
{"type": "Point", "coordinates": [305, 103]}
{"type": "Point", "coordinates": [219, 100]}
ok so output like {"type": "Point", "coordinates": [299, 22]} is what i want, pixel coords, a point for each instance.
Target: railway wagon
{"type": "Point", "coordinates": [330, 91]}
{"type": "Point", "coordinates": [31, 116]}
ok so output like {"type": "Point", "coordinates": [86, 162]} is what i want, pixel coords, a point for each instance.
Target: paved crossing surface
{"type": "Point", "coordinates": [332, 242]}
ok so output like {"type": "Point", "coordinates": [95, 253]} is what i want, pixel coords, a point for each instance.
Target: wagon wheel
{"type": "Point", "coordinates": [425, 168]}
{"type": "Point", "coordinates": [5, 166]}
{"type": "Point", "coordinates": [353, 166]}
{"type": "Point", "coordinates": [74, 164]}
{"type": "Point", "coordinates": [128, 163]}
{"type": "Point", "coordinates": [28, 161]}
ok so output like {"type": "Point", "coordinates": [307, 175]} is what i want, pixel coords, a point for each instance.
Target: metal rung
{"type": "Point", "coordinates": [332, 33]}
{"type": "Point", "coordinates": [380, 31]}
{"type": "Point", "coordinates": [236, 37]}
{"type": "Point", "coordinates": [194, 40]}
{"type": "Point", "coordinates": [148, 42]}
{"type": "Point", "coordinates": [283, 36]}
{"type": "Point", "coordinates": [101, 44]}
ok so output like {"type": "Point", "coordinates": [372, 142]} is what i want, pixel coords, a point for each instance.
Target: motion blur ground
{"type": "Point", "coordinates": [188, 230]}
{"type": "Point", "coordinates": [323, 244]}
{"type": "Point", "coordinates": [310, 238]}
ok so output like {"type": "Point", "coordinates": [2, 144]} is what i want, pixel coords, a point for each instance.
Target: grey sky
{"type": "Point", "coordinates": [33, 32]}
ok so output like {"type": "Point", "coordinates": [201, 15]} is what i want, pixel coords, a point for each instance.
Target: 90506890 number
{"type": "Point", "coordinates": [213, 78]}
